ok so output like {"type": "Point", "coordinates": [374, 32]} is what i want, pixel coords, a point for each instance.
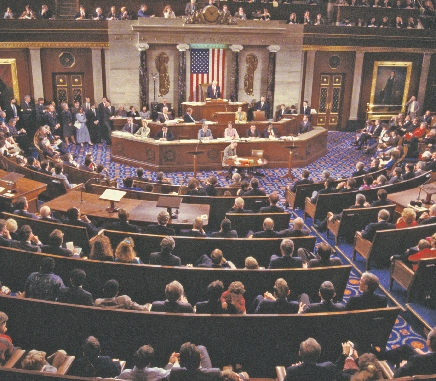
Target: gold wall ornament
{"type": "Point", "coordinates": [9, 79]}
{"type": "Point", "coordinates": [252, 63]}
{"type": "Point", "coordinates": [164, 78]}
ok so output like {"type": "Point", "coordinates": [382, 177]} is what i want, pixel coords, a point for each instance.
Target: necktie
{"type": "Point", "coordinates": [15, 110]}
{"type": "Point", "coordinates": [165, 135]}
{"type": "Point", "coordinates": [166, 116]}
{"type": "Point", "coordinates": [261, 104]}
{"type": "Point", "coordinates": [131, 128]}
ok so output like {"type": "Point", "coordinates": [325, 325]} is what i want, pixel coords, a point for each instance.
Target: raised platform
{"type": "Point", "coordinates": [171, 156]}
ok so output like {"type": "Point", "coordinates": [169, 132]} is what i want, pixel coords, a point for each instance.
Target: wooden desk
{"type": "Point", "coordinates": [207, 110]}
{"type": "Point", "coordinates": [171, 156]}
{"type": "Point", "coordinates": [28, 188]}
{"type": "Point", "coordinates": [248, 163]}
{"type": "Point", "coordinates": [141, 212]}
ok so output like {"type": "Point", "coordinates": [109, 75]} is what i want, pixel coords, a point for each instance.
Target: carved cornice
{"type": "Point", "coordinates": [23, 45]}
{"type": "Point", "coordinates": [236, 48]}
{"type": "Point", "coordinates": [273, 48]}
{"type": "Point", "coordinates": [182, 47]}
{"type": "Point", "coordinates": [142, 46]}
{"type": "Point", "coordinates": [363, 49]}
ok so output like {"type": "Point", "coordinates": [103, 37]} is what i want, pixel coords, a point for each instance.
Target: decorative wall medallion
{"type": "Point", "coordinates": [169, 155]}
{"type": "Point", "coordinates": [213, 154]}
{"type": "Point", "coordinates": [66, 59]}
{"type": "Point", "coordinates": [308, 149]}
{"type": "Point", "coordinates": [161, 62]}
{"type": "Point", "coordinates": [334, 62]}
{"type": "Point", "coordinates": [150, 155]}
{"type": "Point", "coordinates": [119, 148]}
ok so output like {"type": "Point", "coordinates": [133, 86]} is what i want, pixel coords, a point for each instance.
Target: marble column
{"type": "Point", "coordinates": [143, 74]}
{"type": "Point", "coordinates": [35, 61]}
{"type": "Point", "coordinates": [182, 48]}
{"type": "Point", "coordinates": [270, 81]}
{"type": "Point", "coordinates": [357, 85]}
{"type": "Point", "coordinates": [234, 75]}
{"type": "Point", "coordinates": [107, 67]}
{"type": "Point", "coordinates": [97, 73]}
{"type": "Point", "coordinates": [423, 80]}
{"type": "Point", "coordinates": [308, 82]}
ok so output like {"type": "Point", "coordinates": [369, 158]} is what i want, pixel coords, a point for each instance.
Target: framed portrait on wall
{"type": "Point", "coordinates": [390, 86]}
{"type": "Point", "coordinates": [8, 80]}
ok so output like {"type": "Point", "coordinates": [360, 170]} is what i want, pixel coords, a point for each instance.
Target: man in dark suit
{"type": "Point", "coordinates": [39, 112]}
{"type": "Point", "coordinates": [106, 122]}
{"type": "Point", "coordinates": [191, 7]}
{"type": "Point", "coordinates": [28, 115]}
{"type": "Point", "coordinates": [165, 104]}
{"type": "Point", "coordinates": [197, 229]}
{"type": "Point", "coordinates": [21, 207]}
{"type": "Point", "coordinates": [188, 118]}
{"type": "Point", "coordinates": [297, 229]}
{"type": "Point", "coordinates": [195, 364]}
{"type": "Point", "coordinates": [283, 110]}
{"type": "Point", "coordinates": [215, 261]}
{"type": "Point", "coordinates": [130, 126]}
{"type": "Point", "coordinates": [123, 223]}
{"type": "Point", "coordinates": [175, 300]}
{"type": "Point", "coordinates": [360, 169]}
{"type": "Point", "coordinates": [368, 299]}
{"type": "Point", "coordinates": [309, 369]}
{"type": "Point", "coordinates": [92, 124]}
{"type": "Point", "coordinates": [286, 261]}
{"type": "Point", "coordinates": [213, 91]}
{"type": "Point", "coordinates": [267, 232]}
{"type": "Point", "coordinates": [164, 257]}
{"type": "Point", "coordinates": [271, 132]}
{"type": "Point", "coordinates": [213, 303]}
{"type": "Point", "coordinates": [50, 118]}
{"type": "Point", "coordinates": [381, 199]}
{"type": "Point", "coordinates": [5, 235]}
{"type": "Point", "coordinates": [54, 246]}
{"type": "Point", "coordinates": [428, 218]}
{"type": "Point", "coordinates": [328, 188]}
{"type": "Point", "coordinates": [252, 132]}
{"type": "Point", "coordinates": [12, 110]}
{"type": "Point", "coordinates": [305, 110]}
{"type": "Point", "coordinates": [304, 180]}
{"type": "Point", "coordinates": [164, 116]}
{"type": "Point", "coordinates": [255, 191]}
{"type": "Point", "coordinates": [164, 134]}
{"type": "Point", "coordinates": [26, 240]}
{"type": "Point", "coordinates": [262, 105]}
{"type": "Point", "coordinates": [382, 224]}
{"type": "Point", "coordinates": [305, 125]}
{"type": "Point", "coordinates": [277, 303]}
{"type": "Point", "coordinates": [272, 208]}
{"type": "Point", "coordinates": [76, 294]}
{"type": "Point", "coordinates": [239, 206]}
{"type": "Point", "coordinates": [327, 293]}
{"type": "Point", "coordinates": [75, 218]}
{"type": "Point", "coordinates": [161, 229]}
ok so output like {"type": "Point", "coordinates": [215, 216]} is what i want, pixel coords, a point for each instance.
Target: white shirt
{"type": "Point", "coordinates": [145, 374]}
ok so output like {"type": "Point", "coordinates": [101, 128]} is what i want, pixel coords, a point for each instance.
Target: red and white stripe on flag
{"type": "Point", "coordinates": [205, 69]}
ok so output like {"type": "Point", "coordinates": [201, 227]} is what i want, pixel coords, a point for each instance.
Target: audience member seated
{"type": "Point", "coordinates": [197, 229]}
{"type": "Point", "coordinates": [232, 300]}
{"type": "Point", "coordinates": [407, 219]}
{"type": "Point", "coordinates": [272, 208]}
{"type": "Point", "coordinates": [225, 231]}
{"type": "Point", "coordinates": [328, 188]}
{"type": "Point", "coordinates": [164, 134]}
{"type": "Point", "coordinates": [321, 258]}
{"type": "Point", "coordinates": [428, 218]}
{"type": "Point", "coordinates": [374, 166]}
{"type": "Point", "coordinates": [276, 303]}
{"type": "Point", "coordinates": [175, 302]}
{"type": "Point", "coordinates": [125, 252]}
{"type": "Point", "coordinates": [271, 132]}
{"type": "Point", "coordinates": [418, 361]}
{"type": "Point", "coordinates": [26, 240]}
{"type": "Point", "coordinates": [326, 293]}
{"type": "Point", "coordinates": [92, 364]}
{"type": "Point", "coordinates": [12, 227]}
{"type": "Point", "coordinates": [216, 261]}
{"type": "Point", "coordinates": [35, 360]}
{"type": "Point", "coordinates": [205, 134]}
{"type": "Point", "coordinates": [140, 175]}
{"type": "Point", "coordinates": [44, 284]}
{"type": "Point", "coordinates": [6, 346]}
{"type": "Point", "coordinates": [69, 160]}
{"type": "Point", "coordinates": [368, 299]}
{"type": "Point", "coordinates": [297, 229]}
{"type": "Point", "coordinates": [75, 218]}
{"type": "Point", "coordinates": [236, 181]}
{"type": "Point", "coordinates": [161, 229]}
{"type": "Point", "coordinates": [286, 261]}
{"type": "Point", "coordinates": [396, 176]}
{"type": "Point", "coordinates": [195, 365]}
{"type": "Point", "coordinates": [213, 303]}
{"type": "Point", "coordinates": [101, 249]}
{"type": "Point", "coordinates": [394, 156]}
{"type": "Point", "coordinates": [142, 369]}
{"type": "Point", "coordinates": [21, 207]}
{"type": "Point", "coordinates": [245, 187]}
{"type": "Point", "coordinates": [304, 180]}
{"type": "Point", "coordinates": [252, 132]}
{"type": "Point", "coordinates": [382, 198]}
{"type": "Point", "coordinates": [160, 179]}
{"type": "Point", "coordinates": [239, 206]}
{"type": "Point", "coordinates": [308, 369]}
{"type": "Point", "coordinates": [5, 235]}
{"type": "Point", "coordinates": [429, 252]}
{"type": "Point", "coordinates": [194, 189]}
{"type": "Point", "coordinates": [251, 264]}
{"type": "Point", "coordinates": [360, 170]}
{"type": "Point", "coordinates": [128, 185]}
{"type": "Point", "coordinates": [123, 223]}
{"type": "Point", "coordinates": [76, 294]}
{"type": "Point", "coordinates": [33, 164]}
{"type": "Point", "coordinates": [59, 174]}
{"type": "Point", "coordinates": [54, 246]}
{"type": "Point", "coordinates": [164, 257]}
{"type": "Point", "coordinates": [379, 182]}
{"type": "Point", "coordinates": [267, 232]}
{"type": "Point", "coordinates": [45, 213]}
{"type": "Point", "coordinates": [112, 300]}
{"type": "Point", "coordinates": [382, 224]}
{"type": "Point", "coordinates": [210, 186]}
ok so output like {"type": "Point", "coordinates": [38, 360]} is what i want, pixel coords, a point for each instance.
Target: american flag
{"type": "Point", "coordinates": [206, 65]}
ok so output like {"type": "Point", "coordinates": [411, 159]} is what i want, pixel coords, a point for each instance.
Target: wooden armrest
{"type": "Point", "coordinates": [75, 188]}
{"type": "Point", "coordinates": [122, 364]}
{"type": "Point", "coordinates": [281, 373]}
{"type": "Point", "coordinates": [66, 365]}
{"type": "Point", "coordinates": [386, 369]}
{"type": "Point", "coordinates": [13, 360]}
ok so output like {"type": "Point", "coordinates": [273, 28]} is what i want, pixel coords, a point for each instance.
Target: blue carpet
{"type": "Point", "coordinates": [340, 161]}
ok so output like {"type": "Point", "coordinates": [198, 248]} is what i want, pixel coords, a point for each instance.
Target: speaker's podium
{"type": "Point", "coordinates": [223, 117]}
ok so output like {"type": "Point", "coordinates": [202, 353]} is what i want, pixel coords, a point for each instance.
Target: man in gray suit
{"type": "Point", "coordinates": [413, 107]}
{"type": "Point", "coordinates": [191, 8]}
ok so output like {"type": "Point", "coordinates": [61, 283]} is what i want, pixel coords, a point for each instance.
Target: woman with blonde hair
{"type": "Point", "coordinates": [168, 12]}
{"type": "Point", "coordinates": [407, 219]}
{"type": "Point", "coordinates": [125, 252]}
{"type": "Point", "coordinates": [101, 249]}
